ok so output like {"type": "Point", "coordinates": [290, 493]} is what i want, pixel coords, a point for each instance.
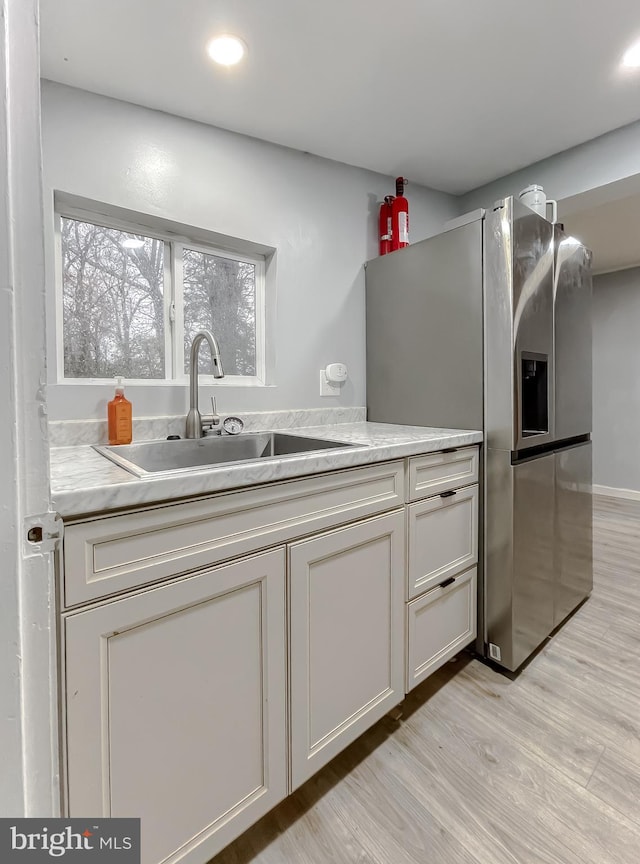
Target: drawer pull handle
{"type": "Point", "coordinates": [449, 450]}
{"type": "Point", "coordinates": [448, 494]}
{"type": "Point", "coordinates": [448, 582]}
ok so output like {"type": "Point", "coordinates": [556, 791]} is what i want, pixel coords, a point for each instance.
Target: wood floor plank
{"type": "Point", "coordinates": [399, 777]}
{"type": "Point", "coordinates": [553, 809]}
{"type": "Point", "coordinates": [394, 827]}
{"type": "Point", "coordinates": [545, 735]}
{"type": "Point", "coordinates": [589, 711]}
{"type": "Point", "coordinates": [303, 828]}
{"type": "Point", "coordinates": [613, 678]}
{"type": "Point", "coordinates": [616, 780]}
{"type": "Point", "coordinates": [624, 636]}
{"type": "Point", "coordinates": [542, 767]}
{"type": "Point", "coordinates": [511, 834]}
{"type": "Point", "coordinates": [463, 759]}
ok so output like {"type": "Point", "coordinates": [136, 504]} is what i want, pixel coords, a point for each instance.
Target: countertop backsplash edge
{"type": "Point", "coordinates": [70, 433]}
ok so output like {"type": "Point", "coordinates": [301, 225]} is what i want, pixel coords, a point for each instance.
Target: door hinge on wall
{"type": "Point", "coordinates": [42, 533]}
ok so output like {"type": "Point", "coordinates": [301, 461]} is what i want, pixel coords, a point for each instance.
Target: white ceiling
{"type": "Point", "coordinates": [450, 93]}
{"type": "Point", "coordinates": [612, 232]}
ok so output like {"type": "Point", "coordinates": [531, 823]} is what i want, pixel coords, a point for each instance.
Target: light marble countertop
{"type": "Point", "coordinates": [85, 482]}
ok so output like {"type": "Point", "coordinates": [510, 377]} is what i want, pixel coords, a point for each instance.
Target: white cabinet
{"type": "Point", "coordinates": [176, 707]}
{"type": "Point", "coordinates": [346, 599]}
{"type": "Point", "coordinates": [193, 700]}
{"type": "Point", "coordinates": [439, 624]}
{"type": "Point", "coordinates": [442, 543]}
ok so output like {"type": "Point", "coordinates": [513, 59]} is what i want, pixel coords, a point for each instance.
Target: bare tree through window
{"type": "Point", "coordinates": [113, 302]}
{"type": "Point", "coordinates": [220, 295]}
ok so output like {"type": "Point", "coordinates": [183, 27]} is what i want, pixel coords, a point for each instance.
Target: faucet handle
{"type": "Point", "coordinates": [211, 422]}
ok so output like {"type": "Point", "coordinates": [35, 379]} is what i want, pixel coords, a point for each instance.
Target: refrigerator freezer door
{"type": "Point", "coordinates": [533, 538]}
{"type": "Point", "coordinates": [574, 519]}
{"type": "Point", "coordinates": [572, 302]}
{"type": "Point", "coordinates": [424, 332]}
{"type": "Point", "coordinates": [519, 570]}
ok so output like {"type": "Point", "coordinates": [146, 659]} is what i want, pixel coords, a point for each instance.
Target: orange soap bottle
{"type": "Point", "coordinates": [119, 417]}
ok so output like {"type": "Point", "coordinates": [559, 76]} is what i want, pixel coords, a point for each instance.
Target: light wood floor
{"type": "Point", "coordinates": [484, 769]}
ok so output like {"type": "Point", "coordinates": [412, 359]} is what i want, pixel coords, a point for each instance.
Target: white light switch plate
{"type": "Point", "coordinates": [326, 387]}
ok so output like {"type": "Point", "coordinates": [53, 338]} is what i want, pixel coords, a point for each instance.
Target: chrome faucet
{"type": "Point", "coordinates": [196, 422]}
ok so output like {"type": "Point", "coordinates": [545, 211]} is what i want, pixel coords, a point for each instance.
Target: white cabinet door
{"type": "Point", "coordinates": [443, 538]}
{"type": "Point", "coordinates": [176, 708]}
{"type": "Point", "coordinates": [347, 642]}
{"type": "Point", "coordinates": [439, 624]}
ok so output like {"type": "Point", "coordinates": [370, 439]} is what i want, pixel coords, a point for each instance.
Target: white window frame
{"type": "Point", "coordinates": [173, 301]}
{"type": "Point", "coordinates": [259, 264]}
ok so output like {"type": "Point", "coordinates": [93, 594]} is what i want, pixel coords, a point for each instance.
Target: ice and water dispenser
{"type": "Point", "coordinates": [534, 377]}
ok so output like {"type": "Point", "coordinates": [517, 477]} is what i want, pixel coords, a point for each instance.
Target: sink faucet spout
{"type": "Point", "coordinates": [194, 418]}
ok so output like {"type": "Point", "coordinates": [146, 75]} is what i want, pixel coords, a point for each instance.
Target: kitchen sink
{"type": "Point", "coordinates": [150, 458]}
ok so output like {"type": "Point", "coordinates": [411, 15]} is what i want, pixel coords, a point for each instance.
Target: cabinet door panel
{"type": "Point", "coordinates": [182, 691]}
{"type": "Point", "coordinates": [443, 538]}
{"type": "Point", "coordinates": [346, 602]}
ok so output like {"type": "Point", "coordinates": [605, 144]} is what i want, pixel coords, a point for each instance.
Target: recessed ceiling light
{"type": "Point", "coordinates": [132, 243]}
{"type": "Point", "coordinates": [632, 56]}
{"type": "Point", "coordinates": [226, 50]}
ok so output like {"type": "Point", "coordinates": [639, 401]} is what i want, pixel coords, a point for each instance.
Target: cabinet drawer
{"type": "Point", "coordinates": [443, 538]}
{"type": "Point", "coordinates": [438, 472]}
{"type": "Point", "coordinates": [440, 624]}
{"type": "Point", "coordinates": [117, 553]}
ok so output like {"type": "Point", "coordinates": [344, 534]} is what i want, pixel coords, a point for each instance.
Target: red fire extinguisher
{"type": "Point", "coordinates": [385, 225]}
{"type": "Point", "coordinates": [399, 217]}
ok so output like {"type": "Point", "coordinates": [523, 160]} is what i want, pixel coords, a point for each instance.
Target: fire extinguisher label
{"type": "Point", "coordinates": [403, 227]}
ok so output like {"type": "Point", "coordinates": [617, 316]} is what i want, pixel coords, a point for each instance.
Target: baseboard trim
{"type": "Point", "coordinates": [613, 492]}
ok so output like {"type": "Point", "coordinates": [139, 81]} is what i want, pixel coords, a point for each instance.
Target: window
{"type": "Point", "coordinates": [131, 302]}
{"type": "Point", "coordinates": [219, 294]}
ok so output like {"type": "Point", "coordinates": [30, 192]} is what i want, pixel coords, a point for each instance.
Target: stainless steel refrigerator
{"type": "Point", "coordinates": [488, 326]}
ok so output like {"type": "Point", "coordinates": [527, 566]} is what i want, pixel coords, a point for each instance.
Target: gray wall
{"type": "Point", "coordinates": [616, 379]}
{"type": "Point", "coordinates": [610, 164]}
{"type": "Point", "coordinates": [321, 217]}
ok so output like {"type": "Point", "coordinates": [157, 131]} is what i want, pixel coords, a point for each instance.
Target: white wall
{"type": "Point", "coordinates": [28, 694]}
{"type": "Point", "coordinates": [609, 164]}
{"type": "Point", "coordinates": [321, 217]}
{"type": "Point", "coordinates": [616, 380]}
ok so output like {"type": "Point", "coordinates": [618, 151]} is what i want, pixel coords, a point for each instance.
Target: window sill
{"type": "Point", "coordinates": [203, 380]}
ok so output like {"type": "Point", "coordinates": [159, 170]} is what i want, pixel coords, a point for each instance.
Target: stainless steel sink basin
{"type": "Point", "coordinates": [151, 458]}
